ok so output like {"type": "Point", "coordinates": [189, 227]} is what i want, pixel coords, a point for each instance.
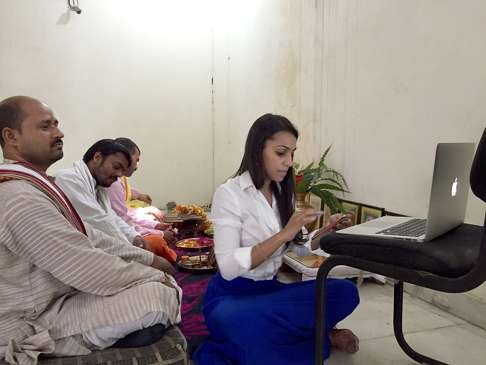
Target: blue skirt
{"type": "Point", "coordinates": [268, 322]}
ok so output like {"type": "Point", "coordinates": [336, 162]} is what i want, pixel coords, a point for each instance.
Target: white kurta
{"type": "Point", "coordinates": [92, 202]}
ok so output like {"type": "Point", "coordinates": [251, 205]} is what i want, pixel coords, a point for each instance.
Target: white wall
{"type": "Point", "coordinates": [256, 72]}
{"type": "Point", "coordinates": [140, 69]}
{"type": "Point", "coordinates": [383, 81]}
{"type": "Point", "coordinates": [398, 77]}
{"type": "Point", "coordinates": [184, 79]}
{"type": "Point", "coordinates": [401, 76]}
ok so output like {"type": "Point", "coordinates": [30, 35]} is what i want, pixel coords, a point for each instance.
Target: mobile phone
{"type": "Point", "coordinates": [344, 217]}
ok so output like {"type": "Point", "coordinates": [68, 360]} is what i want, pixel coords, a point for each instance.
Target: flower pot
{"type": "Point", "coordinates": [302, 201]}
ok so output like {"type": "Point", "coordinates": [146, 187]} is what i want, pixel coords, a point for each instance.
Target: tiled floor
{"type": "Point", "coordinates": [428, 330]}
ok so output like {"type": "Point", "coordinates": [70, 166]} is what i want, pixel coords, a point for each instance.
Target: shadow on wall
{"type": "Point", "coordinates": [64, 18]}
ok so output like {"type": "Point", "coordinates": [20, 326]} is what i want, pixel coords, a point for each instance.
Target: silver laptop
{"type": "Point", "coordinates": [448, 199]}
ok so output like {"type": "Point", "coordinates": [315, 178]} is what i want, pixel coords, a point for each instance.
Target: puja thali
{"type": "Point", "coordinates": [177, 218]}
{"type": "Point", "coordinates": [195, 244]}
{"type": "Point", "coordinates": [195, 264]}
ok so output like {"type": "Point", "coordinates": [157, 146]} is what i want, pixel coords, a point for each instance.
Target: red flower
{"type": "Point", "coordinates": [298, 179]}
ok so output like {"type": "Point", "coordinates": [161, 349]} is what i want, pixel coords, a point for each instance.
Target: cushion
{"type": "Point", "coordinates": [452, 254]}
{"type": "Point", "coordinates": [170, 349]}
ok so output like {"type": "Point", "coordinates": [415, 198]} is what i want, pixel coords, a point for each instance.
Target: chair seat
{"type": "Point", "coordinates": [451, 255]}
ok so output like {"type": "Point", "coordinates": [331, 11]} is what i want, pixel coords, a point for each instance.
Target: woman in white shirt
{"type": "Point", "coordinates": [253, 318]}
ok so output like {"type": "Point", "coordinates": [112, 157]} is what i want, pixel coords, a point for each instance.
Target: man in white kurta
{"type": "Point", "coordinates": [92, 202]}
{"type": "Point", "coordinates": [60, 291]}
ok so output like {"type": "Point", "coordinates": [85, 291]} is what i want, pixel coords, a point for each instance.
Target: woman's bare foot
{"type": "Point", "coordinates": [344, 340]}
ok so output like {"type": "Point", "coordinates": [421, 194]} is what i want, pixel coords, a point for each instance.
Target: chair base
{"type": "Point", "coordinates": [397, 328]}
{"type": "Point", "coordinates": [320, 309]}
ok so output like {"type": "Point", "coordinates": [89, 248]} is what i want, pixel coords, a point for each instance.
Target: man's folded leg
{"type": "Point", "coordinates": [137, 333]}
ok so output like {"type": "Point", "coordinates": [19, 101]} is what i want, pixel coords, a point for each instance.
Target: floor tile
{"type": "Point", "coordinates": [374, 316]}
{"type": "Point", "coordinates": [428, 330]}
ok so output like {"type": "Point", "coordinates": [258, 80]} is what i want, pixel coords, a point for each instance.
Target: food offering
{"type": "Point", "coordinates": [195, 264]}
{"type": "Point", "coordinates": [194, 210]}
{"type": "Point", "coordinates": [195, 244]}
{"type": "Point", "coordinates": [209, 232]}
{"type": "Point", "coordinates": [310, 261]}
{"type": "Point", "coordinates": [318, 261]}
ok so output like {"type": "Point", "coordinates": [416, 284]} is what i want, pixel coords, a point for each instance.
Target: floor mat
{"type": "Point", "coordinates": [193, 326]}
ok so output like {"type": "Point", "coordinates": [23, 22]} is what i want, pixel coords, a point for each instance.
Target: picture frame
{"type": "Point", "coordinates": [369, 212]}
{"type": "Point", "coordinates": [393, 214]}
{"type": "Point", "coordinates": [317, 204]}
{"type": "Point", "coordinates": [350, 207]}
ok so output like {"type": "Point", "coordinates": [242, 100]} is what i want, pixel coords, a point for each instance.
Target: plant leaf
{"type": "Point", "coordinates": [307, 168]}
{"type": "Point", "coordinates": [330, 187]}
{"type": "Point", "coordinates": [329, 199]}
{"type": "Point", "coordinates": [321, 180]}
{"type": "Point", "coordinates": [334, 181]}
{"type": "Point", "coordinates": [323, 157]}
{"type": "Point", "coordinates": [338, 176]}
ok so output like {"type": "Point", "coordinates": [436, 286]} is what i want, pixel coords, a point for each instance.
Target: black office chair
{"type": "Point", "coordinates": [453, 263]}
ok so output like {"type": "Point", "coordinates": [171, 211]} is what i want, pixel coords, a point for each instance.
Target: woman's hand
{"type": "Point", "coordinates": [340, 221]}
{"type": "Point", "coordinates": [265, 249]}
{"type": "Point", "coordinates": [297, 221]}
{"type": "Point", "coordinates": [336, 222]}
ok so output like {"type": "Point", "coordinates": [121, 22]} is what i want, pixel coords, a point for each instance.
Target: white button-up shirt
{"type": "Point", "coordinates": [242, 218]}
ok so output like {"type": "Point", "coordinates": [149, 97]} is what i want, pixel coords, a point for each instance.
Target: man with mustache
{"type": "Point", "coordinates": [65, 287]}
{"type": "Point", "coordinates": [86, 186]}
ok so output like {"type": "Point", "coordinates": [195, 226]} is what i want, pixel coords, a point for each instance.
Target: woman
{"type": "Point", "coordinates": [252, 318]}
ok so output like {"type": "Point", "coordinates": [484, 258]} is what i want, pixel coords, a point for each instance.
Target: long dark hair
{"type": "Point", "coordinates": [262, 130]}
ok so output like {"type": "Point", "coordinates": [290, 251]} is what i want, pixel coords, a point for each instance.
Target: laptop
{"type": "Point", "coordinates": [448, 199]}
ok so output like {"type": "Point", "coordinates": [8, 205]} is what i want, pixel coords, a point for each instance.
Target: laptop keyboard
{"type": "Point", "coordinates": [411, 228]}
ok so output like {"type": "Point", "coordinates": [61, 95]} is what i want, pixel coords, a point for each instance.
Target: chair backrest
{"type": "Point", "coordinates": [477, 181]}
{"type": "Point", "coordinates": [478, 170]}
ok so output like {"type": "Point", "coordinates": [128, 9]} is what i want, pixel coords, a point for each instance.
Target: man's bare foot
{"type": "Point", "coordinates": [344, 340]}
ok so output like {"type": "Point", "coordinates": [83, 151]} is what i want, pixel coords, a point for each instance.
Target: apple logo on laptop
{"type": "Point", "coordinates": [454, 188]}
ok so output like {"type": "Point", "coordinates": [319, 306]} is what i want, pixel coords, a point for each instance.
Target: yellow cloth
{"type": "Point", "coordinates": [131, 203]}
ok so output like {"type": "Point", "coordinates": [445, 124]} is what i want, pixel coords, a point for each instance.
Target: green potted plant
{"type": "Point", "coordinates": [320, 180]}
